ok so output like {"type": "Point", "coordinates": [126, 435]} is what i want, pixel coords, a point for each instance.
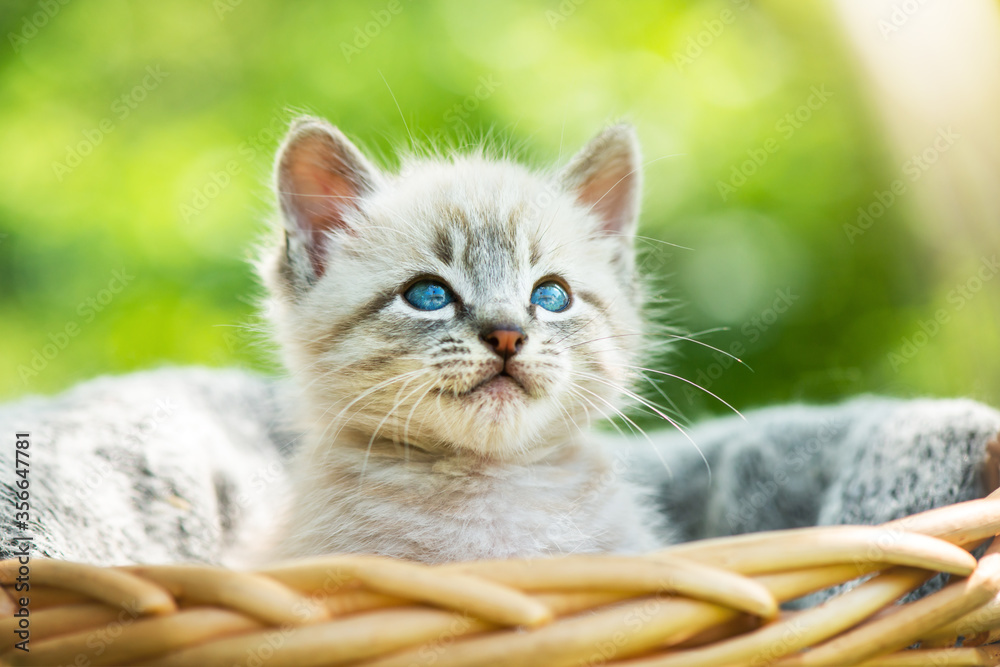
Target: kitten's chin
{"type": "Point", "coordinates": [492, 419]}
{"type": "Point", "coordinates": [499, 402]}
{"type": "Point", "coordinates": [498, 389]}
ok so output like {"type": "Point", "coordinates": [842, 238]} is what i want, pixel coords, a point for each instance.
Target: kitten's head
{"type": "Point", "coordinates": [466, 303]}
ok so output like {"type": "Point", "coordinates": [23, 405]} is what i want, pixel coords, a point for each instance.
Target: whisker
{"type": "Point", "coordinates": [673, 406]}
{"type": "Point", "coordinates": [378, 428]}
{"type": "Point", "coordinates": [396, 102]}
{"type": "Point", "coordinates": [636, 428]}
{"type": "Point", "coordinates": [656, 335]}
{"type": "Point", "coordinates": [567, 417]}
{"type": "Point", "coordinates": [659, 455]}
{"type": "Point", "coordinates": [406, 425]}
{"type": "Point", "coordinates": [367, 392]}
{"type": "Point", "coordinates": [572, 390]}
{"type": "Point", "coordinates": [597, 340]}
{"type": "Point", "coordinates": [684, 379]}
{"type": "Point", "coordinates": [654, 408]}
{"type": "Point", "coordinates": [650, 239]}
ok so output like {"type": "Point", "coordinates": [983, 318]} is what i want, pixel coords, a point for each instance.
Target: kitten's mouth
{"type": "Point", "coordinates": [500, 385]}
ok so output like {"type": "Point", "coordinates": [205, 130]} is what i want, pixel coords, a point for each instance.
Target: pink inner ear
{"type": "Point", "coordinates": [318, 192]}
{"type": "Point", "coordinates": [610, 194]}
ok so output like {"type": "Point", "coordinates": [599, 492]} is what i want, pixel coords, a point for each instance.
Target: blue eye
{"type": "Point", "coordinates": [550, 296]}
{"type": "Point", "coordinates": [428, 295]}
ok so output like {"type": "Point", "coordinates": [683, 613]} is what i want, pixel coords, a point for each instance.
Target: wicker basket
{"type": "Point", "coordinates": [714, 602]}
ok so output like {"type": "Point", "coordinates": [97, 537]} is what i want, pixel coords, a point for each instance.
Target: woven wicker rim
{"type": "Point", "coordinates": [713, 602]}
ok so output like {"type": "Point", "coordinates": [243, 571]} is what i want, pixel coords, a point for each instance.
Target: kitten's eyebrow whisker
{"type": "Point", "coordinates": [648, 239]}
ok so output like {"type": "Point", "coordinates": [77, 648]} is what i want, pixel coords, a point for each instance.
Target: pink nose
{"type": "Point", "coordinates": [505, 342]}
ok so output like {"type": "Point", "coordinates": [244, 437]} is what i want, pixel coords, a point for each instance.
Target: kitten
{"type": "Point", "coordinates": [448, 328]}
{"type": "Point", "coordinates": [451, 331]}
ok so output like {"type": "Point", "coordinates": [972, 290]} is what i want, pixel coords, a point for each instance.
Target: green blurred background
{"type": "Point", "coordinates": [137, 137]}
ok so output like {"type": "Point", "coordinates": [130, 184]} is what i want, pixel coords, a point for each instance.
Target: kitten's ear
{"type": "Point", "coordinates": [320, 178]}
{"type": "Point", "coordinates": [605, 176]}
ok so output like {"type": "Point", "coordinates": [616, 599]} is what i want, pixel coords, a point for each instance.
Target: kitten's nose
{"type": "Point", "coordinates": [505, 340]}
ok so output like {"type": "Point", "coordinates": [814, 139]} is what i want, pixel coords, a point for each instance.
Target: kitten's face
{"type": "Point", "coordinates": [467, 304]}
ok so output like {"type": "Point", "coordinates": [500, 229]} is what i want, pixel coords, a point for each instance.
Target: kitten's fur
{"type": "Point", "coordinates": [406, 444]}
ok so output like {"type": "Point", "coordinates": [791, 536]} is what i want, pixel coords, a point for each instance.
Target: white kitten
{"type": "Point", "coordinates": [452, 329]}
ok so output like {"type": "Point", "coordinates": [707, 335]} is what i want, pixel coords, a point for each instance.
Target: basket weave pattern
{"type": "Point", "coordinates": [713, 602]}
